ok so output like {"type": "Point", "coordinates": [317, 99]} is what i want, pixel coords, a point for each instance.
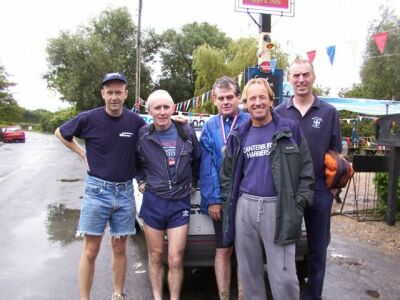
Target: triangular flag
{"type": "Point", "coordinates": [380, 40]}
{"type": "Point", "coordinates": [348, 121]}
{"type": "Point", "coordinates": [240, 77]}
{"type": "Point", "coordinates": [311, 55]}
{"type": "Point", "coordinates": [273, 63]}
{"type": "Point", "coordinates": [331, 53]}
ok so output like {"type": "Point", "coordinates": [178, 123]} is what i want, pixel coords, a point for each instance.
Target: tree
{"type": "Point", "coordinates": [380, 78]}
{"type": "Point", "coordinates": [77, 61]}
{"type": "Point", "coordinates": [10, 111]}
{"type": "Point", "coordinates": [176, 54]}
{"type": "Point", "coordinates": [211, 63]}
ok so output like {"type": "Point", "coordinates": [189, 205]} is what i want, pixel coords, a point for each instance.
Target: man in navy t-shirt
{"type": "Point", "coordinates": [321, 127]}
{"type": "Point", "coordinates": [110, 134]}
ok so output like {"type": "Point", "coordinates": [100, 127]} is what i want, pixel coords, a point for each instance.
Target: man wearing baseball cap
{"type": "Point", "coordinates": [110, 134]}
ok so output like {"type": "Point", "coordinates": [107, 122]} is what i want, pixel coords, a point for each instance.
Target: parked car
{"type": "Point", "coordinates": [13, 134]}
{"type": "Point", "coordinates": [200, 247]}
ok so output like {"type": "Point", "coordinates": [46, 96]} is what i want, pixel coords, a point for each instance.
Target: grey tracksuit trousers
{"type": "Point", "coordinates": [255, 228]}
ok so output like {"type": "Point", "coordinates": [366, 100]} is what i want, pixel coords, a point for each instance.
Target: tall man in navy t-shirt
{"type": "Point", "coordinates": [320, 124]}
{"type": "Point", "coordinates": [111, 135]}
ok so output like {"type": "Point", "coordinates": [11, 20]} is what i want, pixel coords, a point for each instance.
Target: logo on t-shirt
{"type": "Point", "coordinates": [316, 122]}
{"type": "Point", "coordinates": [126, 134]}
{"type": "Point", "coordinates": [257, 150]}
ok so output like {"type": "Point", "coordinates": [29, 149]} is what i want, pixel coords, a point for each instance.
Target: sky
{"type": "Point", "coordinates": [26, 26]}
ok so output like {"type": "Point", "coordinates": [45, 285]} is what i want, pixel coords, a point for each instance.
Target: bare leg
{"type": "Point", "coordinates": [91, 247]}
{"type": "Point", "coordinates": [119, 260]}
{"type": "Point", "coordinates": [223, 270]}
{"type": "Point", "coordinates": [154, 241]}
{"type": "Point", "coordinates": [177, 238]}
{"type": "Point", "coordinates": [240, 287]}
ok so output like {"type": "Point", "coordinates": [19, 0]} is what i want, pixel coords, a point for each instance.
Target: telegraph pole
{"type": "Point", "coordinates": [138, 51]}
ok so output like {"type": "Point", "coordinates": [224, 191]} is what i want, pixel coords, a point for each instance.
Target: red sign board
{"type": "Point", "coordinates": [281, 7]}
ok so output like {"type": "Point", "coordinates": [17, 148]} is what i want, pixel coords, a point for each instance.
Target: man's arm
{"type": "Point", "coordinates": [209, 180]}
{"type": "Point", "coordinates": [72, 145]}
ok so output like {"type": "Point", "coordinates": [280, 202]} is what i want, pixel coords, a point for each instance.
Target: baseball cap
{"type": "Point", "coordinates": [114, 76]}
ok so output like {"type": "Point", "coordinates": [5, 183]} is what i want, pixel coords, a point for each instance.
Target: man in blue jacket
{"type": "Point", "coordinates": [226, 95]}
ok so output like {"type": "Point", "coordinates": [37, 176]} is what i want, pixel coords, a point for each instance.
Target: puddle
{"type": "Point", "coordinates": [70, 179]}
{"type": "Point", "coordinates": [61, 224]}
{"type": "Point", "coordinates": [29, 249]}
{"type": "Point", "coordinates": [343, 259]}
{"type": "Point", "coordinates": [373, 293]}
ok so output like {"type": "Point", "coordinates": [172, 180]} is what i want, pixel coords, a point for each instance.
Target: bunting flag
{"type": "Point", "coordinates": [311, 55]}
{"type": "Point", "coordinates": [202, 98]}
{"type": "Point", "coordinates": [272, 64]}
{"type": "Point", "coordinates": [380, 41]}
{"type": "Point", "coordinates": [197, 102]}
{"type": "Point", "coordinates": [240, 77]}
{"type": "Point", "coordinates": [331, 53]}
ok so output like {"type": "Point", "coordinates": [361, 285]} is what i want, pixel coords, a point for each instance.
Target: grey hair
{"type": "Point", "coordinates": [157, 95]}
{"type": "Point", "coordinates": [226, 82]}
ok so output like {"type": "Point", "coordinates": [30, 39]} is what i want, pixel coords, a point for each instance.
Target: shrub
{"type": "Point", "coordinates": [381, 181]}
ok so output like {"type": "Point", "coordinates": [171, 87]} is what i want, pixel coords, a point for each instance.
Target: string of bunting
{"type": "Point", "coordinates": [358, 119]}
{"type": "Point", "coordinates": [197, 101]}
{"type": "Point", "coordinates": [379, 38]}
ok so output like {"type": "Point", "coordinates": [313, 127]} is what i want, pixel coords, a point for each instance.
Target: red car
{"type": "Point", "coordinates": [13, 133]}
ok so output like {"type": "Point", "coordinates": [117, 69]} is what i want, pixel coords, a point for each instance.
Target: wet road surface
{"type": "Point", "coordinates": [40, 195]}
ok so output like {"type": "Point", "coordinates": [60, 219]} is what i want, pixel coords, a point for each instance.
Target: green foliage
{"type": "Point", "coordinates": [176, 52]}
{"type": "Point", "coordinates": [77, 61]}
{"type": "Point", "coordinates": [10, 111]}
{"type": "Point", "coordinates": [365, 127]}
{"type": "Point", "coordinates": [49, 123]}
{"type": "Point", "coordinates": [381, 181]}
{"type": "Point", "coordinates": [35, 116]}
{"type": "Point", "coordinates": [321, 91]}
{"type": "Point", "coordinates": [210, 63]}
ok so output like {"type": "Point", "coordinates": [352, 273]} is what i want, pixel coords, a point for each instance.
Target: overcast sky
{"type": "Point", "coordinates": [25, 27]}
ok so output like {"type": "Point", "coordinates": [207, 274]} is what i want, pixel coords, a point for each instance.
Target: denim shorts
{"type": "Point", "coordinates": [161, 214]}
{"type": "Point", "coordinates": [107, 202]}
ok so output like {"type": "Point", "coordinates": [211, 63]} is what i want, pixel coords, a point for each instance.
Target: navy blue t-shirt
{"type": "Point", "coordinates": [110, 142]}
{"type": "Point", "coordinates": [321, 128]}
{"type": "Point", "coordinates": [168, 139]}
{"type": "Point", "coordinates": [257, 174]}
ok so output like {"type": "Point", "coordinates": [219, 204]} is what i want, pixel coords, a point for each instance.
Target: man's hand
{"type": "Point", "coordinates": [142, 187]}
{"type": "Point", "coordinates": [215, 212]}
{"type": "Point", "coordinates": [181, 119]}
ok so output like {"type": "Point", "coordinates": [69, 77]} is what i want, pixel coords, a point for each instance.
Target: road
{"type": "Point", "coordinates": [40, 195]}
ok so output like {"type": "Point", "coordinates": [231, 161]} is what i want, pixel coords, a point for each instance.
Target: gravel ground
{"type": "Point", "coordinates": [375, 233]}
{"type": "Point", "coordinates": [367, 227]}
